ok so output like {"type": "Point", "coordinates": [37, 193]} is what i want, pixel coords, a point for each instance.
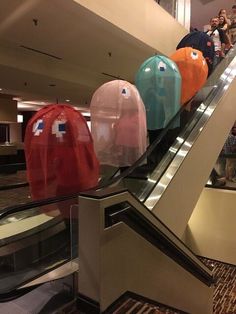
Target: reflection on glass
{"type": "Point", "coordinates": [168, 5]}
{"type": "Point", "coordinates": [224, 172]}
{"type": "Point", "coordinates": [36, 240]}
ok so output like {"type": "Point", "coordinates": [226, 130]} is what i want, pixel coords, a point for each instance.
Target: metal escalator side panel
{"type": "Point", "coordinates": [176, 194]}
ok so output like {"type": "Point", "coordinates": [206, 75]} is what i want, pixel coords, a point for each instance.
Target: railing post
{"type": "Point", "coordinates": [91, 224]}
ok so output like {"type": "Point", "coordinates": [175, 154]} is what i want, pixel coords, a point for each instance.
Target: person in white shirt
{"type": "Point", "coordinates": [219, 40]}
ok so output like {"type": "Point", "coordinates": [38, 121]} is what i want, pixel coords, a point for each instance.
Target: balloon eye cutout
{"type": "Point", "coordinates": [59, 128]}
{"type": "Point", "coordinates": [125, 92]}
{"type": "Point", "coordinates": [38, 127]}
{"type": "Point", "coordinates": [194, 55]}
{"type": "Point", "coordinates": [162, 66]}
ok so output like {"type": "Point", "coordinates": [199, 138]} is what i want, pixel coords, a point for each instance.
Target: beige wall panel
{"type": "Point", "coordinates": [130, 263]}
{"type": "Point", "coordinates": [143, 19]}
{"type": "Point", "coordinates": [117, 259]}
{"type": "Point", "coordinates": [15, 133]}
{"type": "Point", "coordinates": [8, 110]}
{"type": "Point", "coordinates": [178, 201]}
{"type": "Point", "coordinates": [211, 228]}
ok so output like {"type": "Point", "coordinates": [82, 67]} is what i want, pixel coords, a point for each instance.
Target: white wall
{"type": "Point", "coordinates": [183, 13]}
{"type": "Point", "coordinates": [145, 20]}
{"type": "Point", "coordinates": [211, 228]}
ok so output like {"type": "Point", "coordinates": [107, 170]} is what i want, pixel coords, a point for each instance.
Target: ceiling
{"type": "Point", "coordinates": [56, 50]}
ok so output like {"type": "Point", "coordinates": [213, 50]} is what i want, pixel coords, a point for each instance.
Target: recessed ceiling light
{"type": "Point", "coordinates": [0, 88]}
{"type": "Point", "coordinates": [67, 100]}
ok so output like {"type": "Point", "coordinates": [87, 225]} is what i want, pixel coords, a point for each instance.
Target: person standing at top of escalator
{"type": "Point", "coordinates": [230, 148]}
{"type": "Point", "coordinates": [225, 27]}
{"type": "Point", "coordinates": [219, 39]}
{"type": "Point", "coordinates": [223, 13]}
{"type": "Point", "coordinates": [232, 27]}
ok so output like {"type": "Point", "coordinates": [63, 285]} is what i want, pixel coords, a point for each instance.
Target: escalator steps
{"type": "Point", "coordinates": [140, 305]}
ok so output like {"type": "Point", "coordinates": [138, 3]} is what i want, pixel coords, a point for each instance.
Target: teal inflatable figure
{"type": "Point", "coordinates": [159, 83]}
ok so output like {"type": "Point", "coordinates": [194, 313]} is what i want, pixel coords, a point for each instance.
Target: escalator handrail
{"type": "Point", "coordinates": [32, 204]}
{"type": "Point", "coordinates": [132, 217]}
{"type": "Point", "coordinates": [16, 208]}
{"type": "Point", "coordinates": [149, 150]}
{"type": "Point", "coordinates": [16, 293]}
{"type": "Point", "coordinates": [15, 166]}
{"type": "Point", "coordinates": [14, 186]}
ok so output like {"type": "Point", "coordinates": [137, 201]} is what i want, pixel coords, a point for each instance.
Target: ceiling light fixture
{"type": "Point", "coordinates": [67, 100]}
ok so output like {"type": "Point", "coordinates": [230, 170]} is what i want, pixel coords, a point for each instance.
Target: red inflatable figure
{"type": "Point", "coordinates": [59, 153]}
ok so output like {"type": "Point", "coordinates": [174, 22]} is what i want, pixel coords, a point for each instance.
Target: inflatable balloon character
{"type": "Point", "coordinates": [118, 123]}
{"type": "Point", "coordinates": [59, 153]}
{"type": "Point", "coordinates": [200, 41]}
{"type": "Point", "coordinates": [193, 69]}
{"type": "Point", "coordinates": [159, 83]}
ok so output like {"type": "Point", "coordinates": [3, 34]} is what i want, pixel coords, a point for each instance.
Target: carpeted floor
{"type": "Point", "coordinates": [224, 298]}
{"type": "Point", "coordinates": [133, 306]}
{"type": "Point", "coordinates": [14, 196]}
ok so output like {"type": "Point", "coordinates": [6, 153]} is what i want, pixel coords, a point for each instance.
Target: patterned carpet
{"type": "Point", "coordinates": [224, 298]}
{"type": "Point", "coordinates": [133, 306]}
{"type": "Point", "coordinates": [137, 305]}
{"type": "Point", "coordinates": [14, 196]}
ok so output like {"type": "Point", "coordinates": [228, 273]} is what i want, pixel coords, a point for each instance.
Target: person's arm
{"type": "Point", "coordinates": [223, 41]}
{"type": "Point", "coordinates": [225, 27]}
{"type": "Point", "coordinates": [222, 36]}
{"type": "Point", "coordinates": [228, 22]}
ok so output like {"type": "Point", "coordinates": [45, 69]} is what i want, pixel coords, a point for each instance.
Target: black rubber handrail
{"type": "Point", "coordinates": [16, 208]}
{"type": "Point", "coordinates": [224, 155]}
{"type": "Point", "coordinates": [16, 293]}
{"type": "Point", "coordinates": [15, 166]}
{"type": "Point", "coordinates": [32, 204]}
{"type": "Point", "coordinates": [130, 216]}
{"type": "Point", "coordinates": [13, 186]}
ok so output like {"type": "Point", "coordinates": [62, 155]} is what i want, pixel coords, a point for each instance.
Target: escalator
{"type": "Point", "coordinates": [39, 240]}
{"type": "Point", "coordinates": [125, 250]}
{"type": "Point", "coordinates": [178, 179]}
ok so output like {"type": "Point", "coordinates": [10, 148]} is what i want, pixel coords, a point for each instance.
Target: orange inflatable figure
{"type": "Point", "coordinates": [193, 69]}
